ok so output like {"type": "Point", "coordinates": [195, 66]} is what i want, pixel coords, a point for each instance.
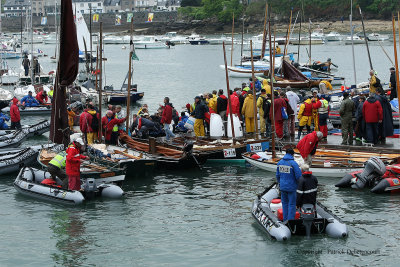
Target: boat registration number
{"type": "Point", "coordinates": [257, 147]}
{"type": "Point", "coordinates": [229, 153]}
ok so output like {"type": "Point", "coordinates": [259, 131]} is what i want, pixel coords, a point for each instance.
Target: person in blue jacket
{"type": "Point", "coordinates": [288, 174]}
{"type": "Point", "coordinates": [29, 100]}
{"type": "Point", "coordinates": [3, 119]}
{"type": "Point", "coordinates": [181, 124]}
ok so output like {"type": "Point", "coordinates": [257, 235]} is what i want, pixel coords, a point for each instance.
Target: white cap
{"type": "Point", "coordinates": [80, 141]}
{"type": "Point", "coordinates": [320, 135]}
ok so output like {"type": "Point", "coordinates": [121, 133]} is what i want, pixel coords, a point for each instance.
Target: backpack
{"type": "Point", "coordinates": [284, 113]}
{"type": "Point", "coordinates": [95, 122]}
{"type": "Point", "coordinates": [266, 105]}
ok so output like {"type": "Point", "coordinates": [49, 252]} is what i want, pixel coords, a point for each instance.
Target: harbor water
{"type": "Point", "coordinates": [196, 217]}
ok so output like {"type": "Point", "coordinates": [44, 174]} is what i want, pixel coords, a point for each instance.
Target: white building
{"type": "Point", "coordinates": [83, 6]}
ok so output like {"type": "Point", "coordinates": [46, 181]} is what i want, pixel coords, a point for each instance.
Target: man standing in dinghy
{"type": "Point", "coordinates": [15, 115]}
{"type": "Point", "coordinates": [73, 164]}
{"type": "Point", "coordinates": [287, 174]}
{"type": "Point", "coordinates": [308, 146]}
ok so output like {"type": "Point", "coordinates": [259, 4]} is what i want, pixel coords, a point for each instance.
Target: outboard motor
{"type": "Point", "coordinates": [308, 215]}
{"type": "Point", "coordinates": [374, 168]}
{"type": "Point", "coordinates": [90, 188]}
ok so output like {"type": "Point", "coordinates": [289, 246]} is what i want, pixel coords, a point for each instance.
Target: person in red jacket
{"type": "Point", "coordinates": [234, 103]}
{"type": "Point", "coordinates": [108, 122]}
{"type": "Point", "coordinates": [308, 145]}
{"type": "Point", "coordinates": [14, 114]}
{"type": "Point", "coordinates": [279, 103]}
{"type": "Point", "coordinates": [41, 97]}
{"type": "Point", "coordinates": [166, 118]}
{"type": "Point", "coordinates": [73, 164]}
{"type": "Point", "coordinates": [373, 114]}
{"type": "Point", "coordinates": [89, 124]}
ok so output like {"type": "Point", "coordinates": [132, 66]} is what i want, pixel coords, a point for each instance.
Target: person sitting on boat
{"type": "Point", "coordinates": [3, 119]}
{"type": "Point", "coordinates": [108, 123]}
{"type": "Point", "coordinates": [199, 113]}
{"type": "Point", "coordinates": [278, 50]}
{"type": "Point", "coordinates": [287, 174]}
{"type": "Point", "coordinates": [306, 188]}
{"type": "Point", "coordinates": [29, 100]}
{"type": "Point", "coordinates": [308, 145]}
{"type": "Point", "coordinates": [305, 116]}
{"type": "Point", "coordinates": [142, 110]}
{"type": "Point", "coordinates": [15, 115]}
{"type": "Point", "coordinates": [73, 164]}
{"type": "Point", "coordinates": [181, 124]}
{"type": "Point", "coordinates": [41, 97]}
{"type": "Point", "coordinates": [89, 124]}
{"type": "Point", "coordinates": [56, 168]}
{"type": "Point", "coordinates": [324, 86]}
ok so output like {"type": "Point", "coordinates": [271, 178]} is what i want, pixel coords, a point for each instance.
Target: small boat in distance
{"type": "Point", "coordinates": [195, 39]}
{"type": "Point", "coordinates": [150, 42]}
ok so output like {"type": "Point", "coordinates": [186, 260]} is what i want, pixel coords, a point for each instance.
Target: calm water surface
{"type": "Point", "coordinates": [198, 218]}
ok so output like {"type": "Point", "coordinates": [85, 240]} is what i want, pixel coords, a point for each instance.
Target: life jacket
{"type": "Point", "coordinates": [139, 123]}
{"type": "Point", "coordinates": [307, 108]}
{"type": "Point", "coordinates": [324, 106]}
{"type": "Point", "coordinates": [50, 182]}
{"type": "Point", "coordinates": [59, 160]}
{"type": "Point", "coordinates": [115, 128]}
{"type": "Point", "coordinates": [50, 94]}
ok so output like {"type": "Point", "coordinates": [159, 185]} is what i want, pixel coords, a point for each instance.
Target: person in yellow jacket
{"type": "Point", "coordinates": [56, 168]}
{"type": "Point", "coordinates": [278, 50]}
{"type": "Point", "coordinates": [248, 112]}
{"type": "Point", "coordinates": [71, 116]}
{"type": "Point", "coordinates": [315, 115]}
{"type": "Point", "coordinates": [324, 86]}
{"type": "Point", "coordinates": [305, 116]}
{"type": "Point", "coordinates": [260, 101]}
{"type": "Point", "coordinates": [373, 83]}
{"type": "Point", "coordinates": [266, 86]}
{"type": "Point", "coordinates": [212, 102]}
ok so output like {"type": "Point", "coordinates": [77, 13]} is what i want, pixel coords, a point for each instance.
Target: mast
{"type": "Point", "coordinates": [254, 92]}
{"type": "Point", "coordinates": [365, 38]}
{"type": "Point", "coordinates": [22, 51]}
{"type": "Point", "coordinates": [101, 75]}
{"type": "Point", "coordinates": [241, 46]}
{"type": "Point", "coordinates": [229, 94]}
{"type": "Point", "coordinates": [31, 65]}
{"type": "Point", "coordinates": [128, 97]}
{"type": "Point", "coordinates": [352, 42]}
{"type": "Point", "coordinates": [233, 29]}
{"type": "Point", "coordinates": [298, 47]}
{"type": "Point", "coordinates": [271, 74]}
{"type": "Point", "coordinates": [56, 27]}
{"type": "Point", "coordinates": [309, 38]}
{"type": "Point", "coordinates": [288, 33]}
{"type": "Point", "coordinates": [265, 33]}
{"type": "Point", "coordinates": [90, 29]}
{"type": "Point", "coordinates": [395, 54]}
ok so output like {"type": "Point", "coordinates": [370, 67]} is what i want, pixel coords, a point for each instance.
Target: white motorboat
{"type": "Point", "coordinates": [9, 77]}
{"type": "Point", "coordinates": [333, 37]}
{"type": "Point", "coordinates": [306, 41]}
{"type": "Point", "coordinates": [174, 38]}
{"type": "Point", "coordinates": [20, 92]}
{"type": "Point", "coordinates": [5, 95]}
{"type": "Point", "coordinates": [356, 40]}
{"type": "Point", "coordinates": [377, 37]}
{"type": "Point", "coordinates": [150, 42]}
{"type": "Point", "coordinates": [195, 39]}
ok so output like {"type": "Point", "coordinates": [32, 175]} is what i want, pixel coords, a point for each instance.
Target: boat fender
{"type": "Point", "coordinates": [90, 188]}
{"type": "Point", "coordinates": [111, 191]}
{"type": "Point", "coordinates": [374, 168]}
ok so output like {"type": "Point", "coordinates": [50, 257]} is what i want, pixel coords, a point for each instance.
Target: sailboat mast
{"type": "Point", "coordinates": [233, 29]}
{"type": "Point", "coordinates": [271, 74]}
{"type": "Point", "coordinates": [55, 27]}
{"type": "Point", "coordinates": [352, 42]}
{"type": "Point", "coordinates": [128, 95]}
{"type": "Point", "coordinates": [265, 33]}
{"type": "Point", "coordinates": [365, 38]}
{"type": "Point", "coordinates": [101, 74]}
{"type": "Point", "coordinates": [228, 94]}
{"type": "Point", "coordinates": [90, 29]}
{"type": "Point", "coordinates": [395, 56]}
{"type": "Point", "coordinates": [309, 43]}
{"type": "Point", "coordinates": [241, 46]}
{"type": "Point", "coordinates": [254, 92]}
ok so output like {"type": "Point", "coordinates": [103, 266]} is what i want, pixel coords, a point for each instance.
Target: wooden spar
{"type": "Point", "coordinates": [229, 94]}
{"type": "Point", "coordinates": [298, 47]}
{"type": "Point", "coordinates": [273, 58]}
{"type": "Point", "coordinates": [128, 96]}
{"type": "Point", "coordinates": [233, 29]}
{"type": "Point", "coordinates": [241, 46]}
{"type": "Point", "coordinates": [395, 55]}
{"type": "Point", "coordinates": [271, 74]}
{"type": "Point", "coordinates": [288, 34]}
{"type": "Point", "coordinates": [90, 30]}
{"type": "Point", "coordinates": [101, 79]}
{"type": "Point", "coordinates": [365, 38]}
{"type": "Point", "coordinates": [309, 37]}
{"type": "Point", "coordinates": [265, 33]}
{"type": "Point", "coordinates": [254, 92]}
{"type": "Point", "coordinates": [97, 67]}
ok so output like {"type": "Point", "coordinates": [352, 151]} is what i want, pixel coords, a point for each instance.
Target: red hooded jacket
{"type": "Point", "coordinates": [235, 104]}
{"type": "Point", "coordinates": [73, 162]}
{"type": "Point", "coordinates": [167, 114]}
{"type": "Point", "coordinates": [85, 121]}
{"type": "Point", "coordinates": [307, 144]}
{"type": "Point", "coordinates": [14, 111]}
{"type": "Point", "coordinates": [372, 110]}
{"type": "Point", "coordinates": [108, 126]}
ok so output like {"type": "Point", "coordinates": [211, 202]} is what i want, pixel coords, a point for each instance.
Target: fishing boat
{"type": "Point", "coordinates": [381, 176]}
{"type": "Point", "coordinates": [133, 161]}
{"type": "Point", "coordinates": [167, 158]}
{"type": "Point", "coordinates": [29, 183]}
{"type": "Point", "coordinates": [267, 211]}
{"type": "Point", "coordinates": [326, 162]}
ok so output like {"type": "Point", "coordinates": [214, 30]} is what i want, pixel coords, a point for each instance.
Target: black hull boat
{"type": "Point", "coordinates": [267, 210]}
{"type": "Point", "coordinates": [13, 138]}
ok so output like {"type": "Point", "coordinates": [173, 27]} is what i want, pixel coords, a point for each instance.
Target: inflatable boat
{"type": "Point", "coordinates": [29, 183]}
{"type": "Point", "coordinates": [310, 219]}
{"type": "Point", "coordinates": [12, 160]}
{"type": "Point", "coordinates": [31, 111]}
{"type": "Point", "coordinates": [375, 175]}
{"type": "Point", "coordinates": [13, 138]}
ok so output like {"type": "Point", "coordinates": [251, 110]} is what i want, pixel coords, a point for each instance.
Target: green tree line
{"type": "Point", "coordinates": [317, 9]}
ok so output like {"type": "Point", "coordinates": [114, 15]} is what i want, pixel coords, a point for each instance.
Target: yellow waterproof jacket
{"type": "Point", "coordinates": [328, 84]}
{"type": "Point", "coordinates": [212, 103]}
{"type": "Point", "coordinates": [260, 105]}
{"type": "Point", "coordinates": [302, 108]}
{"type": "Point", "coordinates": [372, 83]}
{"type": "Point", "coordinates": [266, 86]}
{"type": "Point", "coordinates": [71, 116]}
{"type": "Point", "coordinates": [248, 107]}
